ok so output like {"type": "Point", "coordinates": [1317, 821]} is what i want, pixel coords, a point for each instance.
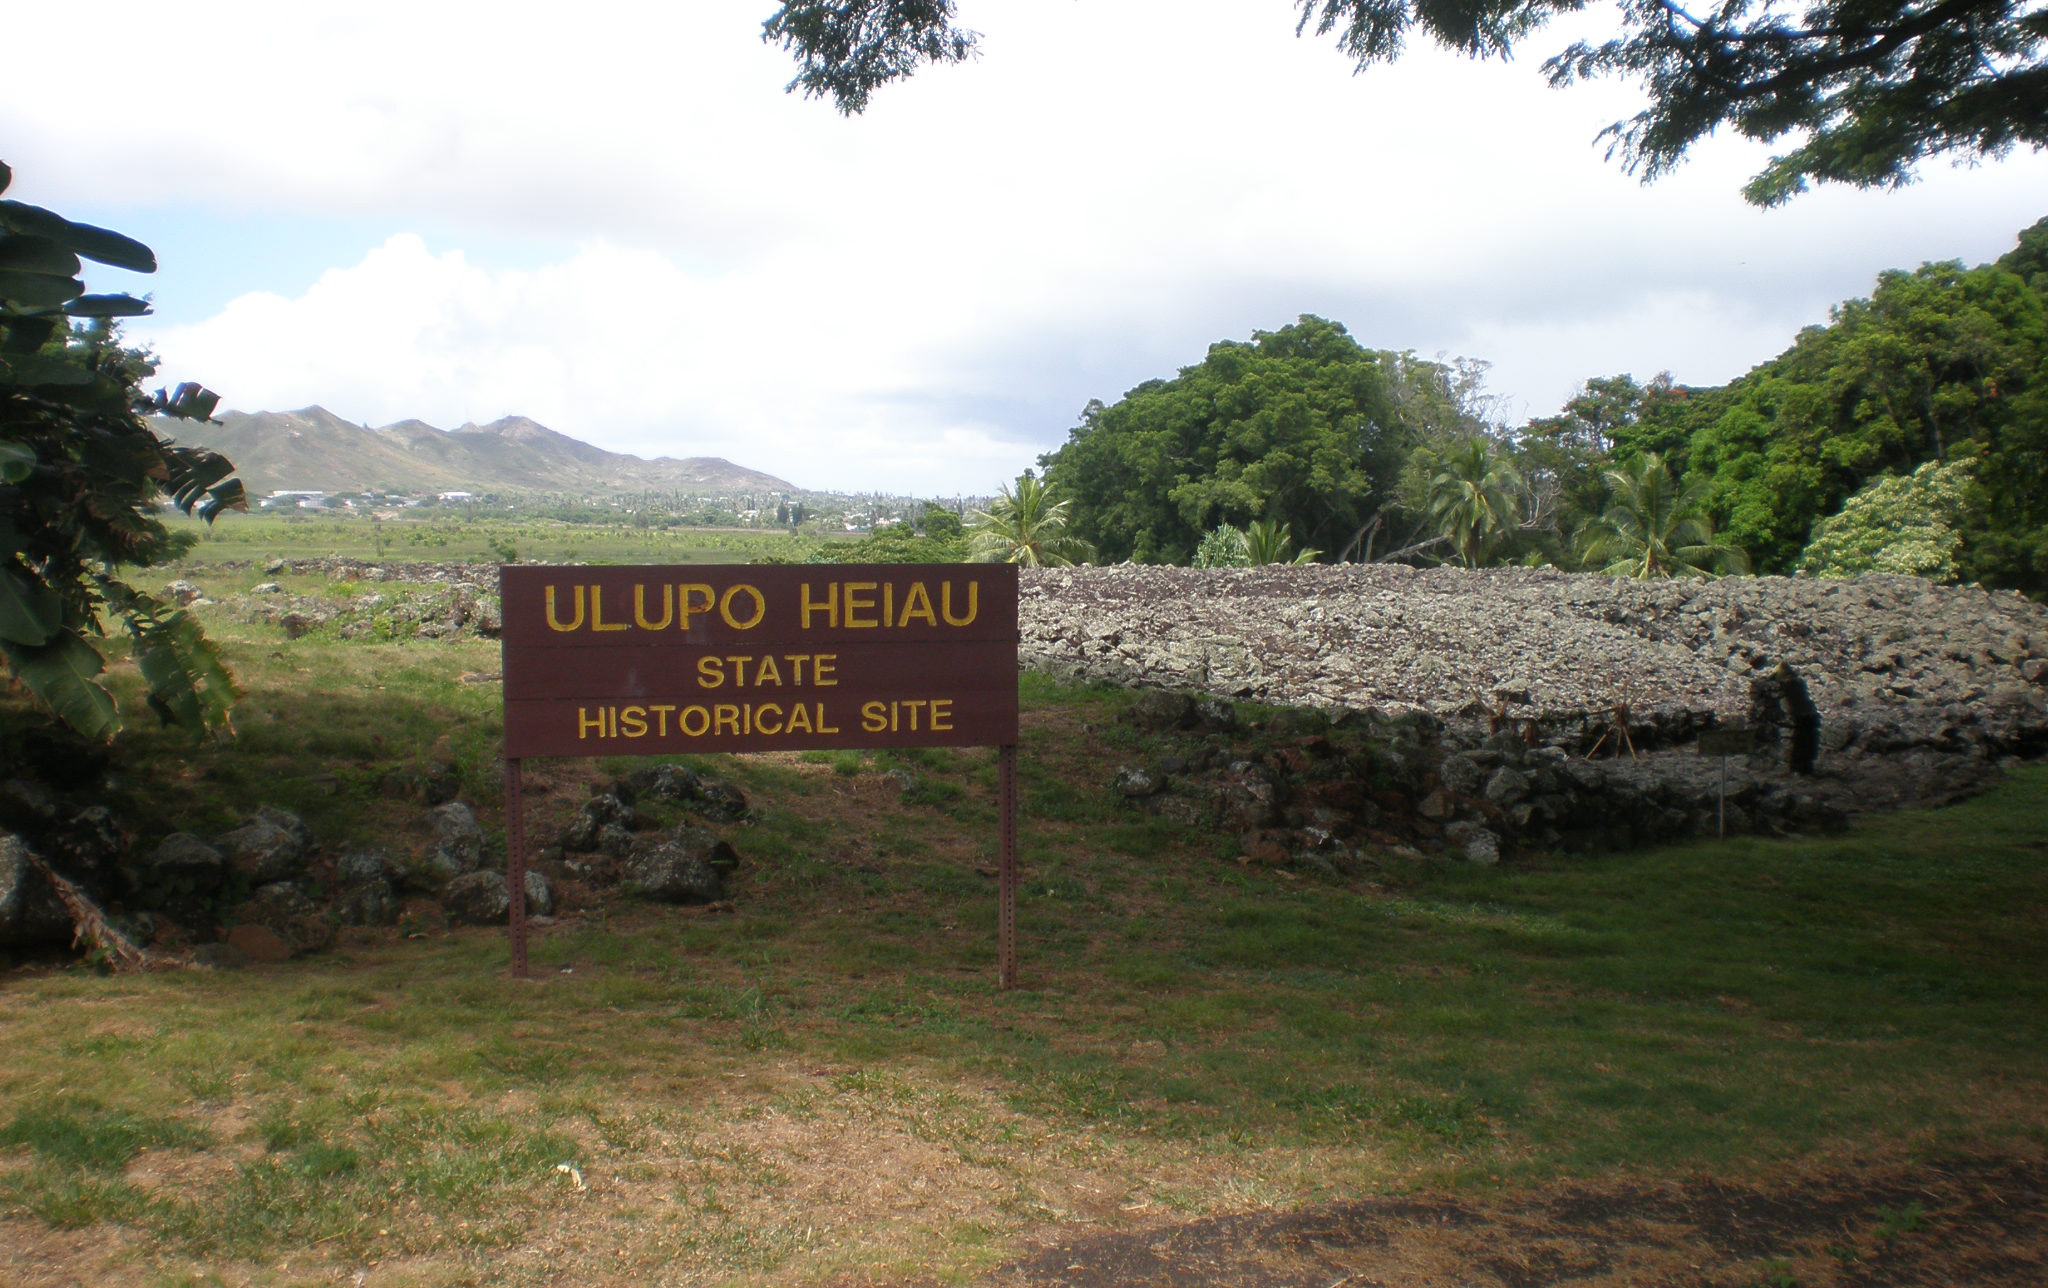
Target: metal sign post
{"type": "Point", "coordinates": [651, 660]}
{"type": "Point", "coordinates": [515, 863]}
{"type": "Point", "coordinates": [1732, 740]}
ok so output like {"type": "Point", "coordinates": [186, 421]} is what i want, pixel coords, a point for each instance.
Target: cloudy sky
{"type": "Point", "coordinates": [611, 217]}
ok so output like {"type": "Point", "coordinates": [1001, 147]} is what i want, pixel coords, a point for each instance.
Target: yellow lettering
{"type": "Point", "coordinates": [769, 673]}
{"type": "Point", "coordinates": [874, 716]}
{"type": "Point", "coordinates": [689, 605]}
{"type": "Point", "coordinates": [918, 603]}
{"type": "Point", "coordinates": [584, 722]}
{"type": "Point", "coordinates": [668, 608]}
{"type": "Point", "coordinates": [942, 714]}
{"type": "Point", "coordinates": [661, 718]}
{"type": "Point", "coordinates": [693, 722]}
{"type": "Point", "coordinates": [764, 712]}
{"type": "Point", "coordinates": [855, 604]}
{"type": "Point", "coordinates": [725, 718]}
{"type": "Point", "coordinates": [709, 672]}
{"type": "Point", "coordinates": [597, 622]}
{"type": "Point", "coordinates": [555, 622]}
{"type": "Point", "coordinates": [633, 722]}
{"type": "Point", "coordinates": [725, 608]}
{"type": "Point", "coordinates": [818, 712]}
{"type": "Point", "coordinates": [829, 606]}
{"type": "Point", "coordinates": [799, 720]}
{"type": "Point", "coordinates": [825, 670]}
{"type": "Point", "coordinates": [946, 603]}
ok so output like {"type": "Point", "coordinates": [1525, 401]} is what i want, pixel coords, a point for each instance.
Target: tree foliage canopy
{"type": "Point", "coordinates": [1901, 523]}
{"type": "Point", "coordinates": [1940, 363]}
{"type": "Point", "coordinates": [81, 475]}
{"type": "Point", "coordinates": [1301, 426]}
{"type": "Point", "coordinates": [1867, 88]}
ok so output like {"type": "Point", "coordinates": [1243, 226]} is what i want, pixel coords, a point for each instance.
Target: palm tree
{"type": "Point", "coordinates": [1655, 526]}
{"type": "Point", "coordinates": [1474, 494]}
{"type": "Point", "coordinates": [1025, 525]}
{"type": "Point", "coordinates": [1267, 542]}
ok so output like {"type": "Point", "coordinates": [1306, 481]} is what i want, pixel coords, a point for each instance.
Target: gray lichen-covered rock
{"type": "Point", "coordinates": [484, 898]}
{"type": "Point", "coordinates": [270, 845]}
{"type": "Point", "coordinates": [683, 866]}
{"type": "Point", "coordinates": [31, 915]}
{"type": "Point", "coordinates": [181, 856]}
{"type": "Point", "coordinates": [1473, 843]}
{"type": "Point", "coordinates": [357, 864]}
{"type": "Point", "coordinates": [367, 903]}
{"type": "Point", "coordinates": [456, 844]}
{"type": "Point", "coordinates": [477, 898]}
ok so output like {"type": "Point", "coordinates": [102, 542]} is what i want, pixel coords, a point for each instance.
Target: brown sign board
{"type": "Point", "coordinates": [758, 657]}
{"type": "Point", "coordinates": [1729, 740]}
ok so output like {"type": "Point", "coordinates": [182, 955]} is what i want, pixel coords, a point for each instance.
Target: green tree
{"type": "Point", "coordinates": [82, 472]}
{"type": "Point", "coordinates": [1024, 525]}
{"type": "Point", "coordinates": [1655, 526]}
{"type": "Point", "coordinates": [1909, 524]}
{"type": "Point", "coordinates": [1939, 363]}
{"type": "Point", "coordinates": [1866, 88]}
{"type": "Point", "coordinates": [1301, 426]}
{"type": "Point", "coordinates": [1474, 495]}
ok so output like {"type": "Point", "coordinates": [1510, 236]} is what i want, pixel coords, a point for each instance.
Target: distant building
{"type": "Point", "coordinates": [458, 496]}
{"type": "Point", "coordinates": [288, 500]}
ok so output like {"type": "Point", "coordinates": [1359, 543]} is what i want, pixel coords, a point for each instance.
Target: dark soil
{"type": "Point", "coordinates": [1979, 1222]}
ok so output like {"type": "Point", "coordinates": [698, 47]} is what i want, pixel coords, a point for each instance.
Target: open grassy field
{"type": "Point", "coordinates": [822, 1085]}
{"type": "Point", "coordinates": [448, 534]}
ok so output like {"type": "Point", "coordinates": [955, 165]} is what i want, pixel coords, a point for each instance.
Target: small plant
{"type": "Point", "coordinates": [1776, 1274]}
{"type": "Point", "coordinates": [1893, 1222]}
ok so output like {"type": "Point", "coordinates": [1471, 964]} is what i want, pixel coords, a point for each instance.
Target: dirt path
{"type": "Point", "coordinates": [1977, 1222]}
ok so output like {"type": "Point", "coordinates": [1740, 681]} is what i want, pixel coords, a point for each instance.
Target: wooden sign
{"type": "Point", "coordinates": [1730, 740]}
{"type": "Point", "coordinates": [679, 658]}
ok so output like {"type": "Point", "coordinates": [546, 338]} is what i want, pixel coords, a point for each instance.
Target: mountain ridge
{"type": "Point", "coordinates": [314, 450]}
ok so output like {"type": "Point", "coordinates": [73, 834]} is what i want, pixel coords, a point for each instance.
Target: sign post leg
{"type": "Point", "coordinates": [515, 864]}
{"type": "Point", "coordinates": [1006, 913]}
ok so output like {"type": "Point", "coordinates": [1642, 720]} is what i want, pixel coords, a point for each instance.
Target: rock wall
{"type": "Point", "coordinates": [1892, 663]}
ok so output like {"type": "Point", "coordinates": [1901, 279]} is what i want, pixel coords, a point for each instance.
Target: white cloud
{"type": "Point", "coordinates": [613, 345]}
{"type": "Point", "coordinates": [922, 297]}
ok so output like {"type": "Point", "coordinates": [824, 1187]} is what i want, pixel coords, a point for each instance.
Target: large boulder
{"type": "Point", "coordinates": [456, 842]}
{"type": "Point", "coordinates": [685, 866]}
{"type": "Point", "coordinates": [485, 899]}
{"type": "Point", "coordinates": [31, 915]}
{"type": "Point", "coordinates": [270, 845]}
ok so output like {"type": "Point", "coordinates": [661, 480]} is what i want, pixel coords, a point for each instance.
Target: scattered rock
{"type": "Point", "coordinates": [457, 844]}
{"type": "Point", "coordinates": [683, 866]}
{"type": "Point", "coordinates": [270, 845]}
{"type": "Point", "coordinates": [477, 899]}
{"type": "Point", "coordinates": [30, 913]}
{"type": "Point", "coordinates": [1133, 782]}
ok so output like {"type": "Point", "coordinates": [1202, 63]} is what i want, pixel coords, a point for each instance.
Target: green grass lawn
{"type": "Point", "coordinates": [764, 1093]}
